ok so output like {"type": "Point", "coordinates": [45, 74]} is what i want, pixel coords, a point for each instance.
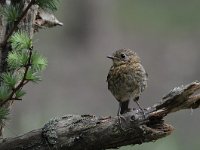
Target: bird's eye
{"type": "Point", "coordinates": [123, 55]}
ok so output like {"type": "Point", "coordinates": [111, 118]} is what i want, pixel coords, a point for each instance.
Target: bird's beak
{"type": "Point", "coordinates": [112, 57]}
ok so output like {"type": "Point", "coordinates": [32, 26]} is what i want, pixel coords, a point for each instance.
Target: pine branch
{"type": "Point", "coordinates": [22, 82]}
{"type": "Point", "coordinates": [87, 132]}
{"type": "Point", "coordinates": [14, 54]}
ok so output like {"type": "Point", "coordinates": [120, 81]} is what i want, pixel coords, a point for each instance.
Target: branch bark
{"type": "Point", "coordinates": [88, 132]}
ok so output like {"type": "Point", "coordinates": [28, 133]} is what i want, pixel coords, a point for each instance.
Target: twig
{"type": "Point", "coordinates": [3, 44]}
{"type": "Point", "coordinates": [87, 132]}
{"type": "Point", "coordinates": [22, 82]}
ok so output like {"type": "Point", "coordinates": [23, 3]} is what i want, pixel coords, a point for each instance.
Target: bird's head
{"type": "Point", "coordinates": [124, 56]}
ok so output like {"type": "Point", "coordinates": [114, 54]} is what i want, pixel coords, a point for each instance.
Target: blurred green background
{"type": "Point", "coordinates": [165, 34]}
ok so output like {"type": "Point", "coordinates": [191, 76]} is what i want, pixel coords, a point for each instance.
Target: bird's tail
{"type": "Point", "coordinates": [124, 107]}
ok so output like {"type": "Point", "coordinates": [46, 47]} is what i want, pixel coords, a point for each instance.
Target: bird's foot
{"type": "Point", "coordinates": [142, 110]}
{"type": "Point", "coordinates": [143, 113]}
{"type": "Point", "coordinates": [120, 118]}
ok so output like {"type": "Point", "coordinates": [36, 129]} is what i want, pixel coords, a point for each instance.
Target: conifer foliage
{"type": "Point", "coordinates": [24, 63]}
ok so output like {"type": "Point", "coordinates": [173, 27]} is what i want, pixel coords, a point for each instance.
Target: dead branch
{"type": "Point", "coordinates": [87, 132]}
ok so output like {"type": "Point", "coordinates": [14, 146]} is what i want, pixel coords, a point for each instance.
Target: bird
{"type": "Point", "coordinates": [126, 79]}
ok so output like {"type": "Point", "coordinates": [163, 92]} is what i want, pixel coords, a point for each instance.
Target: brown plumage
{"type": "Point", "coordinates": [127, 78]}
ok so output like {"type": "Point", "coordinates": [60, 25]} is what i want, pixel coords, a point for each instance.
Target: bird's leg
{"type": "Point", "coordinates": [124, 107]}
{"type": "Point", "coordinates": [136, 101]}
{"type": "Point", "coordinates": [120, 116]}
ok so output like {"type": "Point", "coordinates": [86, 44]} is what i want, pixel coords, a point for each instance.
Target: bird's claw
{"type": "Point", "coordinates": [120, 118]}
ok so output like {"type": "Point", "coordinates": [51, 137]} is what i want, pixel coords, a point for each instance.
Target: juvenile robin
{"type": "Point", "coordinates": [126, 79]}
